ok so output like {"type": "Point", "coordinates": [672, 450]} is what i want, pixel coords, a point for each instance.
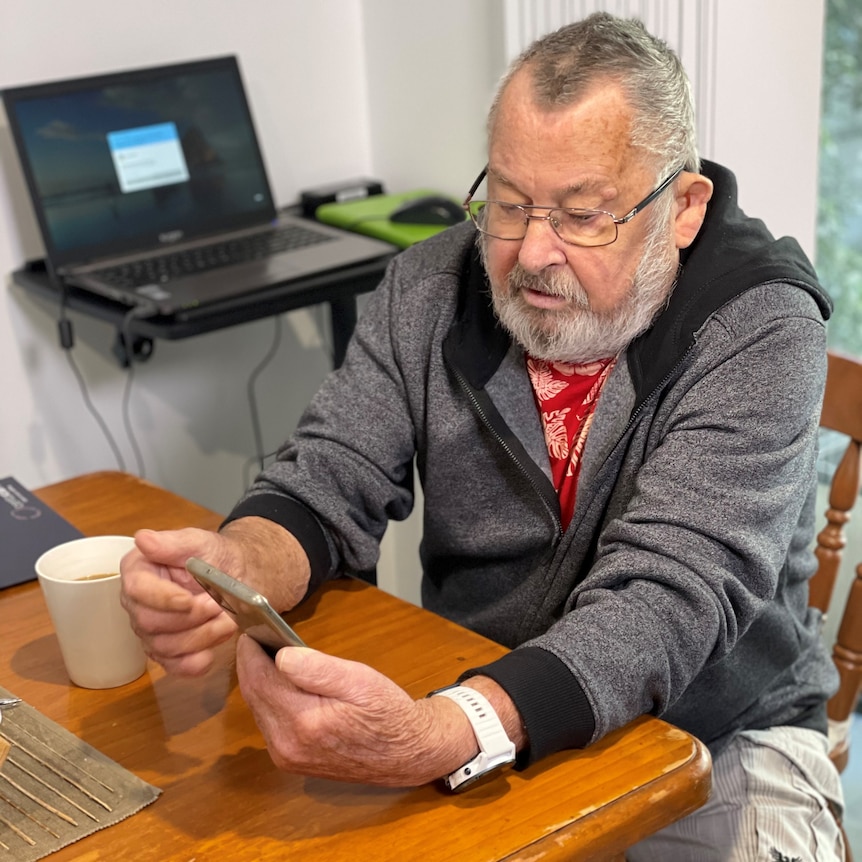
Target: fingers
{"type": "Point", "coordinates": [190, 652]}
{"type": "Point", "coordinates": [154, 574]}
{"type": "Point", "coordinates": [182, 642]}
{"type": "Point", "coordinates": [148, 592]}
{"type": "Point", "coordinates": [252, 662]}
{"type": "Point", "coordinates": [178, 623]}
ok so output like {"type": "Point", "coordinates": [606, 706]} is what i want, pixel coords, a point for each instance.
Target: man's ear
{"type": "Point", "coordinates": [693, 192]}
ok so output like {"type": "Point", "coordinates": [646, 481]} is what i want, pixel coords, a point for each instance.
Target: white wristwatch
{"type": "Point", "coordinates": [495, 748]}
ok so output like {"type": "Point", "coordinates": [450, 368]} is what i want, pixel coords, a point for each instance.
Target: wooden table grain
{"type": "Point", "coordinates": [224, 800]}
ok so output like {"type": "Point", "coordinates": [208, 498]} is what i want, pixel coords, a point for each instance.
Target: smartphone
{"type": "Point", "coordinates": [253, 613]}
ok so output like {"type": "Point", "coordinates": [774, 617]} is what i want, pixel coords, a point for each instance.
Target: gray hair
{"type": "Point", "coordinates": [564, 64]}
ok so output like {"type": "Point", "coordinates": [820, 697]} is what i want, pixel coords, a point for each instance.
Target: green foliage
{"type": "Point", "coordinates": [839, 223]}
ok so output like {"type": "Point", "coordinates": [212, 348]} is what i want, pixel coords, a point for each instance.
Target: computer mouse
{"type": "Point", "coordinates": [431, 209]}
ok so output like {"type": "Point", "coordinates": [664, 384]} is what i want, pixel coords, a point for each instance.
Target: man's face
{"type": "Point", "coordinates": [565, 302]}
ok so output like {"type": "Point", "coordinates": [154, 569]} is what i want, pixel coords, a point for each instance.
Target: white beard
{"type": "Point", "coordinates": [576, 333]}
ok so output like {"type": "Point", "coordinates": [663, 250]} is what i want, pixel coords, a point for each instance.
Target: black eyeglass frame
{"type": "Point", "coordinates": [571, 210]}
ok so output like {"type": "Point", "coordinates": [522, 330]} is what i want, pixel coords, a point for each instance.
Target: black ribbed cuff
{"type": "Point", "coordinates": [298, 520]}
{"type": "Point", "coordinates": [552, 704]}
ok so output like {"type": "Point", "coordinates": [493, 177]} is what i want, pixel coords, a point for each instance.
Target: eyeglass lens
{"type": "Point", "coordinates": [579, 227]}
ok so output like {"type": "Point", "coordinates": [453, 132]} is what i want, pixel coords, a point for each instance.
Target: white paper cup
{"type": "Point", "coordinates": [97, 643]}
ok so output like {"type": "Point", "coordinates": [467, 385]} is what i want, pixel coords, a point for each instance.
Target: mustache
{"type": "Point", "coordinates": [562, 284]}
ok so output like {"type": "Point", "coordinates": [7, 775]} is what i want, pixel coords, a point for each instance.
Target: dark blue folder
{"type": "Point", "coordinates": [28, 527]}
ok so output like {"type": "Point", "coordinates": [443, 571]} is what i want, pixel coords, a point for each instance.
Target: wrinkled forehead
{"type": "Point", "coordinates": [521, 95]}
{"type": "Point", "coordinates": [591, 136]}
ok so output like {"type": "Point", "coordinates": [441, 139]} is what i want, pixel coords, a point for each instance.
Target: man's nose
{"type": "Point", "coordinates": [540, 247]}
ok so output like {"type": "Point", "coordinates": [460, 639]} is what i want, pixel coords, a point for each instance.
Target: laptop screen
{"type": "Point", "coordinates": [136, 160]}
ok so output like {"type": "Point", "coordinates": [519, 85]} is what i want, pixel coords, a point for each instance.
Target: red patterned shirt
{"type": "Point", "coordinates": [566, 395]}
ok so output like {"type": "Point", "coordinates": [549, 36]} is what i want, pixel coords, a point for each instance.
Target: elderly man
{"type": "Point", "coordinates": [609, 381]}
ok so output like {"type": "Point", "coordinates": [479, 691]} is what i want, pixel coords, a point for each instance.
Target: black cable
{"type": "Point", "coordinates": [67, 342]}
{"type": "Point", "coordinates": [121, 463]}
{"type": "Point", "coordinates": [260, 456]}
{"type": "Point", "coordinates": [327, 336]}
{"type": "Point", "coordinates": [250, 462]}
{"type": "Point", "coordinates": [135, 313]}
{"type": "Point", "coordinates": [64, 325]}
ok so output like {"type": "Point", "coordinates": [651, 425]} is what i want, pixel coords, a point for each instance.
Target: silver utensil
{"type": "Point", "coordinates": [8, 703]}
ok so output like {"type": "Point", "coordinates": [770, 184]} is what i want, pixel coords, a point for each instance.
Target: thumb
{"type": "Point", "coordinates": [174, 547]}
{"type": "Point", "coordinates": [165, 547]}
{"type": "Point", "coordinates": [325, 675]}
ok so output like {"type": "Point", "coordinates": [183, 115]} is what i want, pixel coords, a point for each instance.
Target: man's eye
{"type": "Point", "coordinates": [580, 218]}
{"type": "Point", "coordinates": [509, 211]}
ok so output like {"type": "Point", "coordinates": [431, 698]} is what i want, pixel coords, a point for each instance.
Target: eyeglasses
{"type": "Point", "coordinates": [572, 225]}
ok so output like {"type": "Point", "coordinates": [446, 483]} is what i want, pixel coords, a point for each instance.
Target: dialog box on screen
{"type": "Point", "coordinates": [148, 157]}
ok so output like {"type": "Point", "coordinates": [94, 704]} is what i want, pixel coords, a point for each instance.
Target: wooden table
{"type": "Point", "coordinates": [224, 800]}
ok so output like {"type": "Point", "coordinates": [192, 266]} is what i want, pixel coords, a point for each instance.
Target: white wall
{"type": "Point", "coordinates": [395, 89]}
{"type": "Point", "coordinates": [432, 70]}
{"type": "Point", "coordinates": [303, 68]}
{"type": "Point", "coordinates": [767, 118]}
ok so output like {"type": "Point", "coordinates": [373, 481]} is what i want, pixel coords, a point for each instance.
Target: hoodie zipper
{"type": "Point", "coordinates": [468, 389]}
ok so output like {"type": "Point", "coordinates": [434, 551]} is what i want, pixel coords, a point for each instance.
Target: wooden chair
{"type": "Point", "coordinates": [842, 412]}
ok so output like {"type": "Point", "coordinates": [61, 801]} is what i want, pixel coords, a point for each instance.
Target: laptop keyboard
{"type": "Point", "coordinates": [161, 269]}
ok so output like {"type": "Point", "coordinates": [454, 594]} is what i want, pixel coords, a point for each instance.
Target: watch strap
{"type": "Point", "coordinates": [495, 747]}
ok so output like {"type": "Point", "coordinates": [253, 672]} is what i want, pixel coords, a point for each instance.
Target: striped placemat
{"type": "Point", "coordinates": [55, 788]}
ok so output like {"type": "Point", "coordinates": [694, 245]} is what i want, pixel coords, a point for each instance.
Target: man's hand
{"type": "Point", "coordinates": [331, 718]}
{"type": "Point", "coordinates": [180, 624]}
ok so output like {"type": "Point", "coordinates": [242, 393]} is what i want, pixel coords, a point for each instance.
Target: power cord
{"type": "Point", "coordinates": [324, 322]}
{"type": "Point", "coordinates": [136, 313]}
{"type": "Point", "coordinates": [121, 464]}
{"type": "Point", "coordinates": [67, 342]}
{"type": "Point", "coordinates": [260, 456]}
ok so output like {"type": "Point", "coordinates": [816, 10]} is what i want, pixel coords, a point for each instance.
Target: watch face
{"type": "Point", "coordinates": [495, 748]}
{"type": "Point", "coordinates": [478, 777]}
{"type": "Point", "coordinates": [468, 782]}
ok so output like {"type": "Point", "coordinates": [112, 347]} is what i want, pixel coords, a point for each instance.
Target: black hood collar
{"type": "Point", "coordinates": [731, 254]}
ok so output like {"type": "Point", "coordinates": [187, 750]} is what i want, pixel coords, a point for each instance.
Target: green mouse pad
{"type": "Point", "coordinates": [370, 216]}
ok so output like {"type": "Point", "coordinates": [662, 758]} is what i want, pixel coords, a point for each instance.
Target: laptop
{"type": "Point", "coordinates": [150, 189]}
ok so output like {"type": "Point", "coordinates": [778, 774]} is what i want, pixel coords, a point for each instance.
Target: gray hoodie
{"type": "Point", "coordinates": [680, 587]}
